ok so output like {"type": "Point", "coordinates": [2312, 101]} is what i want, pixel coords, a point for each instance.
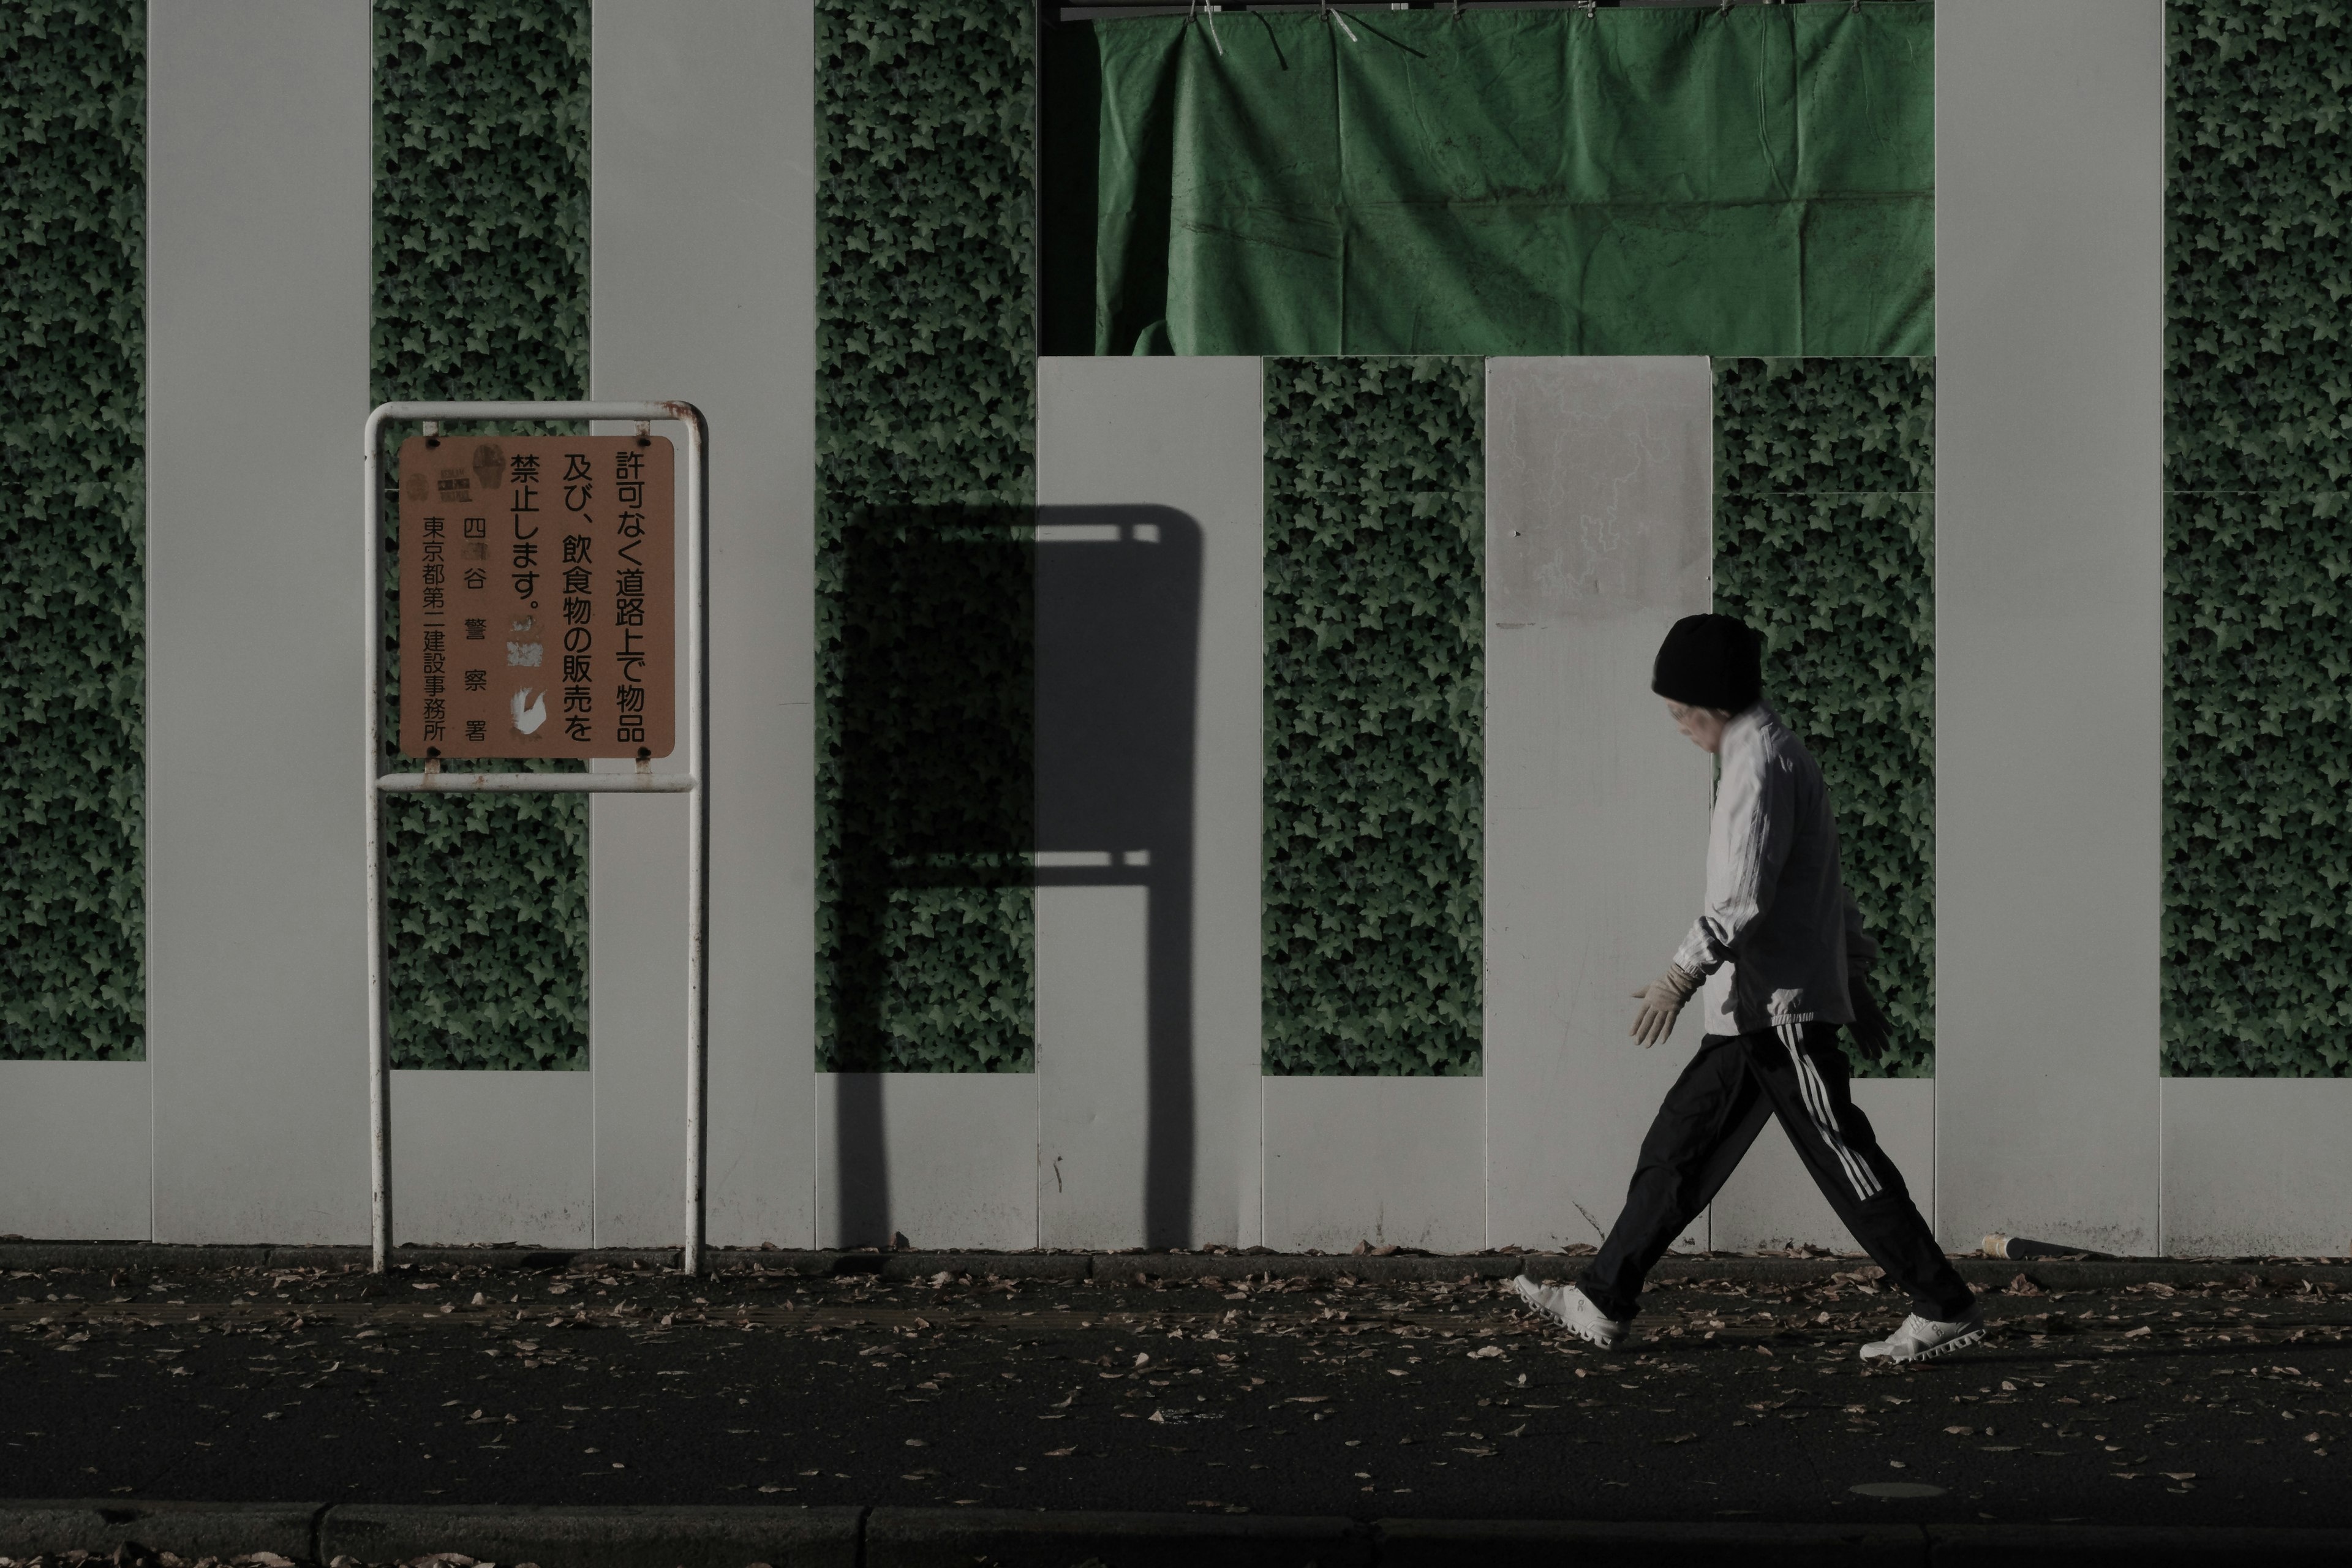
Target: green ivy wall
{"type": "Point", "coordinates": [1825, 532]}
{"type": "Point", "coordinates": [481, 291]}
{"type": "Point", "coordinates": [2258, 541]}
{"type": "Point", "coordinates": [1375, 695]}
{"type": "Point", "coordinates": [1825, 538]}
{"type": "Point", "coordinates": [73, 526]}
{"type": "Point", "coordinates": [926, 404]}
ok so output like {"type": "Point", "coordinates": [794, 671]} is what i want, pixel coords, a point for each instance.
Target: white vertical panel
{"type": "Point", "coordinates": [1396, 1162]}
{"type": "Point", "coordinates": [946, 1159]}
{"type": "Point", "coordinates": [1598, 540]}
{"type": "Point", "coordinates": [637, 1038]}
{"type": "Point", "coordinates": [1188, 435]}
{"type": "Point", "coordinates": [1094, 1068]}
{"type": "Point", "coordinates": [2049, 328]}
{"type": "Point", "coordinates": [1771, 1200]}
{"type": "Point", "coordinates": [258, 285]}
{"type": "Point", "coordinates": [704, 289]}
{"type": "Point", "coordinates": [2257, 1165]}
{"type": "Point", "coordinates": [75, 1161]}
{"type": "Point", "coordinates": [494, 1157]}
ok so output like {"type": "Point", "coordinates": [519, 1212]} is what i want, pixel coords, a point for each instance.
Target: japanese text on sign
{"type": "Point", "coordinates": [536, 596]}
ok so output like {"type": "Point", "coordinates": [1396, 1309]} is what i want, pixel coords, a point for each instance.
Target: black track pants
{"type": "Point", "coordinates": [1702, 1132]}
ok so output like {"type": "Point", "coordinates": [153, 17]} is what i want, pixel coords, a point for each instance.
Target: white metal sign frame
{"type": "Point", "coordinates": [693, 784]}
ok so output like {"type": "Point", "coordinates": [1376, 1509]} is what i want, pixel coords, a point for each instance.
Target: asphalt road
{"type": "Point", "coordinates": [2215, 1404]}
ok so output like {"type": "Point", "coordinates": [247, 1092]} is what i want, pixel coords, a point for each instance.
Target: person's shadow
{"type": "Point", "coordinates": [1015, 710]}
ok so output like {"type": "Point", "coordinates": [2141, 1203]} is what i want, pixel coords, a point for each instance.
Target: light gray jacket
{"type": "Point", "coordinates": [1774, 939]}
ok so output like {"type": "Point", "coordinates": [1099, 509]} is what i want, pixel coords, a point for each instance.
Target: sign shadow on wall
{"type": "Point", "coordinates": [1018, 710]}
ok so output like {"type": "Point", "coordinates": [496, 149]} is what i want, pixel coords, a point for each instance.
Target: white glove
{"type": "Point", "coordinates": [1662, 1002]}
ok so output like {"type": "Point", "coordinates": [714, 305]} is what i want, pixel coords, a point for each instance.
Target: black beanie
{"type": "Point", "coordinates": [1710, 662]}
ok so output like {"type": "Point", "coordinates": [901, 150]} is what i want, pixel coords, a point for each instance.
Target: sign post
{"type": "Point", "coordinates": [539, 619]}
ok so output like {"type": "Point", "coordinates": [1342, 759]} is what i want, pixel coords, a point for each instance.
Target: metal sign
{"type": "Point", "coordinates": [536, 596]}
{"type": "Point", "coordinates": [605, 507]}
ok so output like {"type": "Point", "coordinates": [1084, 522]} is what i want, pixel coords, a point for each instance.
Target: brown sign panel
{"type": "Point", "coordinates": [537, 604]}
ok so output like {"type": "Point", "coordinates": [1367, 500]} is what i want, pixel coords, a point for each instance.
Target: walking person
{"type": "Point", "coordinates": [1777, 960]}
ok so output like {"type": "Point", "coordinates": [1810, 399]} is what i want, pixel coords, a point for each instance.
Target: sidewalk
{"type": "Point", "coordinates": [1275, 1387]}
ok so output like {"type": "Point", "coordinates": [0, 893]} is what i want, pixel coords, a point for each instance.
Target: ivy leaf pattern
{"type": "Point", "coordinates": [1826, 540]}
{"type": "Point", "coordinates": [1372, 938]}
{"type": "Point", "coordinates": [926, 414]}
{"type": "Point", "coordinates": [73, 527]}
{"type": "Point", "coordinates": [2258, 541]}
{"type": "Point", "coordinates": [481, 292]}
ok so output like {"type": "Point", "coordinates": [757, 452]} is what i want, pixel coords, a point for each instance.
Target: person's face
{"type": "Point", "coordinates": [1702, 725]}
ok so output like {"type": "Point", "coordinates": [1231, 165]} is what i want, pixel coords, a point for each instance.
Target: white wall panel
{"type": "Point", "coordinates": [1395, 1161]}
{"type": "Point", "coordinates": [947, 1159]}
{"type": "Point", "coordinates": [1187, 436]}
{"type": "Point", "coordinates": [1094, 1066]}
{"type": "Point", "coordinates": [2050, 330]}
{"type": "Point", "coordinates": [1598, 540]}
{"type": "Point", "coordinates": [490, 1157]}
{"type": "Point", "coordinates": [637, 1056]}
{"type": "Point", "coordinates": [1771, 1200]}
{"type": "Point", "coordinates": [2257, 1165]}
{"type": "Point", "coordinates": [258, 285]}
{"type": "Point", "coordinates": [76, 1150]}
{"type": "Point", "coordinates": [704, 289]}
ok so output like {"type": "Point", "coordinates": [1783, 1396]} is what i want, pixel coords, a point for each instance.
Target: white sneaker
{"type": "Point", "coordinates": [1574, 1310]}
{"type": "Point", "coordinates": [1921, 1338]}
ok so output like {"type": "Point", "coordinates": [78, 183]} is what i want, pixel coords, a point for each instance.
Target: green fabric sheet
{"type": "Point", "coordinates": [1750, 181]}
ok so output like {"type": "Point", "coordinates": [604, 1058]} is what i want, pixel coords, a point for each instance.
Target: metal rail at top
{"type": "Point", "coordinates": [693, 782]}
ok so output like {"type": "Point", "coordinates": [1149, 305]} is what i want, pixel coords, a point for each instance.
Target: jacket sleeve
{"type": "Point", "coordinates": [1748, 843]}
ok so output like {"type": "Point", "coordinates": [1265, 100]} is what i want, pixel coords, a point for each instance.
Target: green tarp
{"type": "Point", "coordinates": [1755, 181]}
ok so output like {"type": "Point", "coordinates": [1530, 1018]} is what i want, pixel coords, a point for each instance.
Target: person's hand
{"type": "Point", "coordinates": [1662, 1002]}
{"type": "Point", "coordinates": [1869, 1031]}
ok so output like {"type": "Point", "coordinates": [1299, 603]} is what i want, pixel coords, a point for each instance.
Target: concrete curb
{"type": "Point", "coordinates": [2086, 1274]}
{"type": "Point", "coordinates": [846, 1536]}
{"type": "Point", "coordinates": [1428, 1543]}
{"type": "Point", "coordinates": [957, 1538]}
{"type": "Point", "coordinates": [1442, 1543]}
{"type": "Point", "coordinates": [191, 1529]}
{"type": "Point", "coordinates": [596, 1537]}
{"type": "Point", "coordinates": [2131, 1546]}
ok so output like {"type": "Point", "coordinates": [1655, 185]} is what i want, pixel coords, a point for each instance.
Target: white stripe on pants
{"type": "Point", "coordinates": [1817, 1101]}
